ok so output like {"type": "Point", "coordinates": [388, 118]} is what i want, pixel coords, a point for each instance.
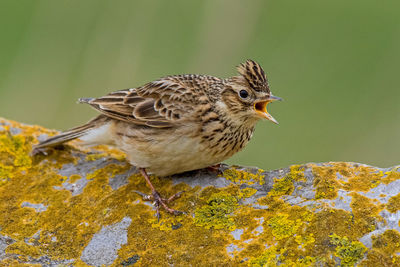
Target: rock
{"type": "Point", "coordinates": [78, 207]}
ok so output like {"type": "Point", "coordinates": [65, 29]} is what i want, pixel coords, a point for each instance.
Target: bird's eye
{"type": "Point", "coordinates": [243, 94]}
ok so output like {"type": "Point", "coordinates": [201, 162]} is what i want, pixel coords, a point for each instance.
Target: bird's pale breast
{"type": "Point", "coordinates": [166, 152]}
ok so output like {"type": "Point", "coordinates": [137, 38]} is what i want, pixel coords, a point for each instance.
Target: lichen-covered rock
{"type": "Point", "coordinates": [79, 207]}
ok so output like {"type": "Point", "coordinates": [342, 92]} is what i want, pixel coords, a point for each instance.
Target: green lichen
{"type": "Point", "coordinates": [349, 252]}
{"type": "Point", "coordinates": [268, 258]}
{"type": "Point", "coordinates": [217, 212]}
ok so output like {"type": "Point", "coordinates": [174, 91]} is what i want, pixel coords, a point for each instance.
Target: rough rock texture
{"type": "Point", "coordinates": [78, 207]}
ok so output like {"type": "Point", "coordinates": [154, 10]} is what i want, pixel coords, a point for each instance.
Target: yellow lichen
{"type": "Point", "coordinates": [246, 192]}
{"type": "Point", "coordinates": [14, 152]}
{"type": "Point", "coordinates": [353, 178]}
{"type": "Point", "coordinates": [385, 250]}
{"type": "Point", "coordinates": [366, 213]}
{"type": "Point", "coordinates": [393, 204]}
{"type": "Point", "coordinates": [106, 151]}
{"type": "Point", "coordinates": [305, 240]}
{"type": "Point", "coordinates": [297, 173]}
{"type": "Point", "coordinates": [272, 257]}
{"type": "Point", "coordinates": [284, 185]}
{"type": "Point", "coordinates": [166, 223]}
{"type": "Point", "coordinates": [388, 242]}
{"type": "Point", "coordinates": [325, 182]}
{"type": "Point", "coordinates": [95, 156]}
{"type": "Point", "coordinates": [391, 176]}
{"type": "Point", "coordinates": [74, 177]}
{"type": "Point", "coordinates": [21, 248]}
{"type": "Point", "coordinates": [242, 176]}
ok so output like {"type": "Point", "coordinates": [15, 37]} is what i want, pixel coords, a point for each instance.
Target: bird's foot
{"type": "Point", "coordinates": [159, 201]}
{"type": "Point", "coordinates": [36, 151]}
{"type": "Point", "coordinates": [45, 150]}
{"type": "Point", "coordinates": [215, 168]}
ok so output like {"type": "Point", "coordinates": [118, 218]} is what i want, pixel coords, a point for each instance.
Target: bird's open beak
{"type": "Point", "coordinates": [261, 108]}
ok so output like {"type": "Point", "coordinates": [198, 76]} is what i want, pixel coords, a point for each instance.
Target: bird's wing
{"type": "Point", "coordinates": [162, 103]}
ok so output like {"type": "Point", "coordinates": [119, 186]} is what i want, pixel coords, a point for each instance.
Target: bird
{"type": "Point", "coordinates": [177, 123]}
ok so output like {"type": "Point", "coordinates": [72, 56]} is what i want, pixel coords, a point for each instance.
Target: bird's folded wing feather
{"type": "Point", "coordinates": [161, 103]}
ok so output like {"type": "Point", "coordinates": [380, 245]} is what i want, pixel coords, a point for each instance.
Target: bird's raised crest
{"type": "Point", "coordinates": [255, 76]}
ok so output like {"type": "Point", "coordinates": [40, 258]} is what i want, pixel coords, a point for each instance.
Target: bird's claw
{"type": "Point", "coordinates": [143, 195]}
{"type": "Point", "coordinates": [37, 151]}
{"type": "Point", "coordinates": [161, 202]}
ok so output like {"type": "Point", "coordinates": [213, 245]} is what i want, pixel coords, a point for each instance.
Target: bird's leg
{"type": "Point", "coordinates": [215, 168]}
{"type": "Point", "coordinates": [158, 200]}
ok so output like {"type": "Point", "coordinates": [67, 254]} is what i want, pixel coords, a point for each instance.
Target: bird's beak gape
{"type": "Point", "coordinates": [261, 108]}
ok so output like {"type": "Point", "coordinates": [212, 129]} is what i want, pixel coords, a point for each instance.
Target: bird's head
{"type": "Point", "coordinates": [247, 95]}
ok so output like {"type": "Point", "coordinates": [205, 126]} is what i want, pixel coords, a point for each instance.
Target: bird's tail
{"type": "Point", "coordinates": [70, 134]}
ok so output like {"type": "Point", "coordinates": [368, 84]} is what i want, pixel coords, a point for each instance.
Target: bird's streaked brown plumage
{"type": "Point", "coordinates": [178, 123]}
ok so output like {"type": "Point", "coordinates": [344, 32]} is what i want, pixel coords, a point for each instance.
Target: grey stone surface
{"type": "Point", "coordinates": [342, 201]}
{"type": "Point", "coordinates": [75, 188]}
{"type": "Point", "coordinates": [83, 168]}
{"type": "Point", "coordinates": [45, 261]}
{"type": "Point", "coordinates": [34, 238]}
{"type": "Point", "coordinates": [259, 229]}
{"type": "Point", "coordinates": [15, 131]}
{"type": "Point", "coordinates": [231, 248]}
{"type": "Point", "coordinates": [38, 207]}
{"type": "Point", "coordinates": [391, 222]}
{"type": "Point", "coordinates": [237, 233]}
{"type": "Point", "coordinates": [5, 241]}
{"type": "Point", "coordinates": [383, 191]}
{"type": "Point", "coordinates": [42, 137]}
{"type": "Point", "coordinates": [121, 179]}
{"type": "Point", "coordinates": [201, 178]}
{"type": "Point", "coordinates": [104, 246]}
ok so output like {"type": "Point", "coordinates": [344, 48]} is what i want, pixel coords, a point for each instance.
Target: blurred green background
{"type": "Point", "coordinates": [336, 64]}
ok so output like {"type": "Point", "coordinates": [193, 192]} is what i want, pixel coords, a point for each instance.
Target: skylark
{"type": "Point", "coordinates": [177, 123]}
